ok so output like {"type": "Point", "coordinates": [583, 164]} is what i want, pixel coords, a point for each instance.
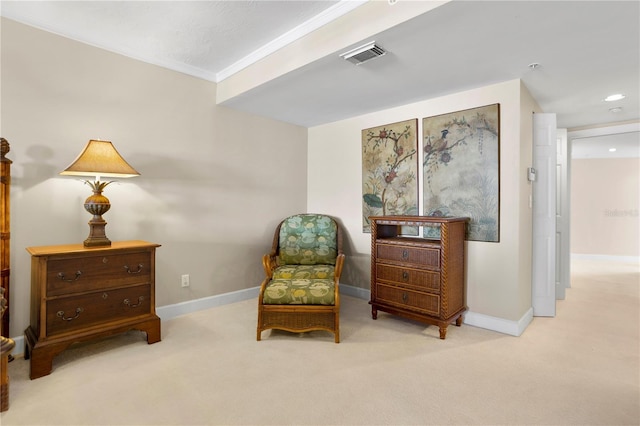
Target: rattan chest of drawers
{"type": "Point", "coordinates": [418, 278]}
{"type": "Point", "coordinates": [79, 294]}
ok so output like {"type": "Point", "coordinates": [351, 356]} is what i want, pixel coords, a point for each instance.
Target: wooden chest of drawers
{"type": "Point", "coordinates": [80, 293]}
{"type": "Point", "coordinates": [418, 278]}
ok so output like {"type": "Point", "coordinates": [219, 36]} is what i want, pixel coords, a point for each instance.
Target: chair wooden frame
{"type": "Point", "coordinates": [299, 318]}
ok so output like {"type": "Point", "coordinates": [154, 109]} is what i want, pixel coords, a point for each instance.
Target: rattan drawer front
{"type": "Point", "coordinates": [77, 312]}
{"type": "Point", "coordinates": [72, 275]}
{"type": "Point", "coordinates": [422, 302]}
{"type": "Point", "coordinates": [421, 257]}
{"type": "Point", "coordinates": [419, 278]}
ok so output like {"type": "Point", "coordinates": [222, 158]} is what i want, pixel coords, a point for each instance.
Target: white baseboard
{"type": "Point", "coordinates": [18, 350]}
{"type": "Point", "coordinates": [171, 311]}
{"type": "Point", "coordinates": [501, 325]}
{"type": "Point", "coordinates": [357, 292]}
{"type": "Point", "coordinates": [182, 308]}
{"type": "Point", "coordinates": [604, 257]}
{"type": "Point", "coordinates": [514, 328]}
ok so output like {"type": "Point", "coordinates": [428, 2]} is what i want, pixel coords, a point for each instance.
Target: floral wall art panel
{"type": "Point", "coordinates": [389, 171]}
{"type": "Point", "coordinates": [461, 159]}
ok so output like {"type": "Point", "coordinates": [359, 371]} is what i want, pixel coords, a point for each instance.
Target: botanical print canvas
{"type": "Point", "coordinates": [389, 171]}
{"type": "Point", "coordinates": [461, 169]}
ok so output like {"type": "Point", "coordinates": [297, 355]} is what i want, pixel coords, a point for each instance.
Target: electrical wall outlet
{"type": "Point", "coordinates": [185, 280]}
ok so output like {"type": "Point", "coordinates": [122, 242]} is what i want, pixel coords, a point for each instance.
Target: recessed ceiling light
{"type": "Point", "coordinates": [615, 109]}
{"type": "Point", "coordinates": [615, 97]}
{"type": "Point", "coordinates": [534, 65]}
{"type": "Point", "coordinates": [612, 150]}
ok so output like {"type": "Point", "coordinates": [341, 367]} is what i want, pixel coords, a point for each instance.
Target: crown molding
{"type": "Point", "coordinates": [339, 9]}
{"type": "Point", "coordinates": [330, 14]}
{"type": "Point", "coordinates": [104, 45]}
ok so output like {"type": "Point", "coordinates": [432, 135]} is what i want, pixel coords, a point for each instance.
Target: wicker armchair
{"type": "Point", "coordinates": [300, 291]}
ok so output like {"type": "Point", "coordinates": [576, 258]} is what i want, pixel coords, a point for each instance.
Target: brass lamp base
{"type": "Point", "coordinates": [97, 204]}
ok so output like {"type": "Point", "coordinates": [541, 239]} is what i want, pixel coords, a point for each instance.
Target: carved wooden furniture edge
{"type": "Point", "coordinates": [384, 232]}
{"type": "Point", "coordinates": [72, 248]}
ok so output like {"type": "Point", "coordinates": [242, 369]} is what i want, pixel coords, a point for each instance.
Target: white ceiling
{"type": "Point", "coordinates": [586, 50]}
{"type": "Point", "coordinates": [618, 145]}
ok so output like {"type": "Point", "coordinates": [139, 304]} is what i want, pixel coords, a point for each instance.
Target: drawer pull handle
{"type": "Point", "coordinates": [405, 275]}
{"type": "Point", "coordinates": [61, 315]}
{"type": "Point", "coordinates": [61, 276]}
{"type": "Point", "coordinates": [128, 302]}
{"type": "Point", "coordinates": [105, 296]}
{"type": "Point", "coordinates": [140, 266]}
{"type": "Point", "coordinates": [405, 254]}
{"type": "Point", "coordinates": [405, 297]}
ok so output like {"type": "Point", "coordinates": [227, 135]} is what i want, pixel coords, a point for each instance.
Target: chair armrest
{"type": "Point", "coordinates": [269, 263]}
{"type": "Point", "coordinates": [338, 267]}
{"type": "Point", "coordinates": [263, 287]}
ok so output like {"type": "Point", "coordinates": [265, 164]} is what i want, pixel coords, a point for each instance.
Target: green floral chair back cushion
{"type": "Point", "coordinates": [308, 239]}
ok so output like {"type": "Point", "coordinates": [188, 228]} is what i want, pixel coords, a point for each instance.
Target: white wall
{"type": "Point", "coordinates": [214, 182]}
{"type": "Point", "coordinates": [498, 274]}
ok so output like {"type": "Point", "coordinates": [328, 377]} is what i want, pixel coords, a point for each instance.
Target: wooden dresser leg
{"type": "Point", "coordinates": [27, 351]}
{"type": "Point", "coordinates": [443, 332]}
{"type": "Point", "coordinates": [41, 355]}
{"type": "Point", "coordinates": [41, 362]}
{"type": "Point", "coordinates": [152, 328]}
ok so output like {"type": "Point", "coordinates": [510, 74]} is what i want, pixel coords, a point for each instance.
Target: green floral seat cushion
{"type": "Point", "coordinates": [308, 239]}
{"type": "Point", "coordinates": [299, 292]}
{"type": "Point", "coordinates": [304, 271]}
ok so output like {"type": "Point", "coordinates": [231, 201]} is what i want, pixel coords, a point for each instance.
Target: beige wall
{"type": "Point", "coordinates": [604, 207]}
{"type": "Point", "coordinates": [498, 274]}
{"type": "Point", "coordinates": [528, 106]}
{"type": "Point", "coordinates": [211, 178]}
{"type": "Point", "coordinates": [203, 194]}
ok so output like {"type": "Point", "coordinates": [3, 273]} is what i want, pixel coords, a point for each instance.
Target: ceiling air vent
{"type": "Point", "coordinates": [364, 53]}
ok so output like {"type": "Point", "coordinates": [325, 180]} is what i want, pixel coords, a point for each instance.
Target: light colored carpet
{"type": "Point", "coordinates": [581, 367]}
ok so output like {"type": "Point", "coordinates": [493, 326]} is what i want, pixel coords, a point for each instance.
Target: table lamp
{"type": "Point", "coordinates": [99, 159]}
